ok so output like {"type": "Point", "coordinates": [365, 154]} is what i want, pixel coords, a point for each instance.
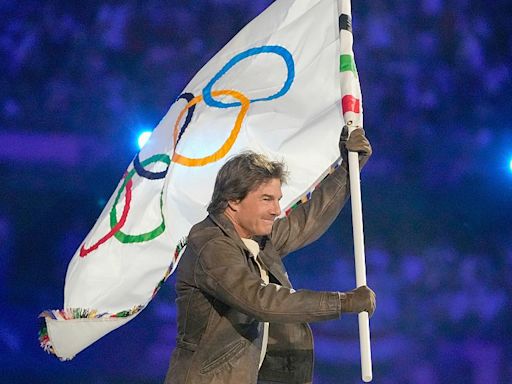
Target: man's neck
{"type": "Point", "coordinates": [240, 230]}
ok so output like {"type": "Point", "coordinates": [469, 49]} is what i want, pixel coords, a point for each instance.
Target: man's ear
{"type": "Point", "coordinates": [233, 205]}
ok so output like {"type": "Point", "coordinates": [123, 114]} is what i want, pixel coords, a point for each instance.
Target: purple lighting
{"type": "Point", "coordinates": [83, 87]}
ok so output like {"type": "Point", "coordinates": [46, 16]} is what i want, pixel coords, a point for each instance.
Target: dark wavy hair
{"type": "Point", "coordinates": [242, 174]}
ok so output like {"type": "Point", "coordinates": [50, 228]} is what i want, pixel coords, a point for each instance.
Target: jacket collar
{"type": "Point", "coordinates": [225, 224]}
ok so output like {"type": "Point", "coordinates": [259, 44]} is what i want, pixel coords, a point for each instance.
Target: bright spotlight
{"type": "Point", "coordinates": [510, 165]}
{"type": "Point", "coordinates": [143, 138]}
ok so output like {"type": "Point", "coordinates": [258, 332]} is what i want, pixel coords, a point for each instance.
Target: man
{"type": "Point", "coordinates": [239, 319]}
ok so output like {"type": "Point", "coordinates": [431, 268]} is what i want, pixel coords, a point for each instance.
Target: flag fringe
{"type": "Point", "coordinates": [84, 313]}
{"type": "Point", "coordinates": [72, 314]}
{"type": "Point", "coordinates": [307, 195]}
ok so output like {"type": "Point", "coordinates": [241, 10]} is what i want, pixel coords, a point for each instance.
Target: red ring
{"type": "Point", "coordinates": [127, 200]}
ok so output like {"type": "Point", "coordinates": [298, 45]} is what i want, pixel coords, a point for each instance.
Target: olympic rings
{"type": "Point", "coordinates": [278, 50]}
{"type": "Point", "coordinates": [208, 97]}
{"type": "Point", "coordinates": [127, 199]}
{"type": "Point", "coordinates": [123, 237]}
{"type": "Point", "coordinates": [224, 149]}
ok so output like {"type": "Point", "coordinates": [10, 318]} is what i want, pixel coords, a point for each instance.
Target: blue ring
{"type": "Point", "coordinates": [278, 50]}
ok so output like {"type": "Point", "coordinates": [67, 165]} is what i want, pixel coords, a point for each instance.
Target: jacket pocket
{"type": "Point", "coordinates": [231, 352]}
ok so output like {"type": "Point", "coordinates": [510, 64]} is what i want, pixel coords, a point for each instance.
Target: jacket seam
{"type": "Point", "coordinates": [247, 305]}
{"type": "Point", "coordinates": [341, 185]}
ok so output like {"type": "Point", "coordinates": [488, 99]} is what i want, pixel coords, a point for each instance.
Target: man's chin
{"type": "Point", "coordinates": [264, 228]}
{"type": "Point", "coordinates": [266, 231]}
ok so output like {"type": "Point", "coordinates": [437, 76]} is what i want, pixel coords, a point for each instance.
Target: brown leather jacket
{"type": "Point", "coordinates": [222, 301]}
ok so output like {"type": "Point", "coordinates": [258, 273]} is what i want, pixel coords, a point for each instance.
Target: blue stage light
{"type": "Point", "coordinates": [143, 138]}
{"type": "Point", "coordinates": [510, 165]}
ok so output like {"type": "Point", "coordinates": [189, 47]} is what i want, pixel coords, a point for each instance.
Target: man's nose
{"type": "Point", "coordinates": [276, 209]}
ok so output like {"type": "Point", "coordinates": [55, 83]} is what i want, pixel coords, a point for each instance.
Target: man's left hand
{"type": "Point", "coordinates": [356, 142]}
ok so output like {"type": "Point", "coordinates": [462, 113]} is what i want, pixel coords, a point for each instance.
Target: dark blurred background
{"type": "Point", "coordinates": [80, 80]}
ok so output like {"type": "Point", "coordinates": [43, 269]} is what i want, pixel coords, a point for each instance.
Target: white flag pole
{"type": "Point", "coordinates": [357, 225]}
{"type": "Point", "coordinates": [354, 119]}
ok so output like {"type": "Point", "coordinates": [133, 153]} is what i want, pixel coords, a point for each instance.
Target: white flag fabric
{"type": "Point", "coordinates": [274, 89]}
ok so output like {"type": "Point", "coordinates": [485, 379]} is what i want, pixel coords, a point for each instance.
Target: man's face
{"type": "Point", "coordinates": [255, 214]}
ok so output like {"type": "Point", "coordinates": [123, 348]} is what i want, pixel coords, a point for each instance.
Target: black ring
{"type": "Point", "coordinates": [147, 174]}
{"type": "Point", "coordinates": [190, 112]}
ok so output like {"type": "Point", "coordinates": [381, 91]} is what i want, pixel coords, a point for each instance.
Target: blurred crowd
{"type": "Point", "coordinates": [436, 78]}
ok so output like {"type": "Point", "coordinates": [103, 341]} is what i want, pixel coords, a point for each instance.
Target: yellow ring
{"type": "Point", "coordinates": [224, 149]}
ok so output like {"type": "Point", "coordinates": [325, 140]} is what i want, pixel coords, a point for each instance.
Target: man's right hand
{"type": "Point", "coordinates": [358, 300]}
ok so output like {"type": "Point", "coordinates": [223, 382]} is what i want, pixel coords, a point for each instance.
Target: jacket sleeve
{"type": "Point", "coordinates": [309, 221]}
{"type": "Point", "coordinates": [222, 271]}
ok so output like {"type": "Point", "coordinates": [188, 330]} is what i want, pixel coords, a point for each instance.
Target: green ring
{"type": "Point", "coordinates": [120, 235]}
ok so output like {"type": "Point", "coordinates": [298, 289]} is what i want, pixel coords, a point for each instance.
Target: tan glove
{"type": "Point", "coordinates": [358, 300]}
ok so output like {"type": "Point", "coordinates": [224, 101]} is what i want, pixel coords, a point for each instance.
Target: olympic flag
{"type": "Point", "coordinates": [274, 88]}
